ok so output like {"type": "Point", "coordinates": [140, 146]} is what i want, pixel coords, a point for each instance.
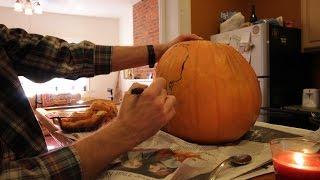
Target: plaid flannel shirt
{"type": "Point", "coordinates": [23, 152]}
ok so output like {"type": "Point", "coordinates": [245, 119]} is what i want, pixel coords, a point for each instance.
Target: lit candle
{"type": "Point", "coordinates": [296, 165]}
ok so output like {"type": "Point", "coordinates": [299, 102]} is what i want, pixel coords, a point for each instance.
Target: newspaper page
{"type": "Point", "coordinates": [164, 156]}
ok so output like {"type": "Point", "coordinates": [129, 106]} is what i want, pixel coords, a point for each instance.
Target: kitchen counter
{"type": "Point", "coordinates": [294, 116]}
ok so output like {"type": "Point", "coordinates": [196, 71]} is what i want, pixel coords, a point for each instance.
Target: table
{"type": "Point", "coordinates": [54, 128]}
{"type": "Point", "coordinates": [270, 176]}
{"type": "Point", "coordinates": [314, 113]}
{"type": "Point", "coordinates": [64, 141]}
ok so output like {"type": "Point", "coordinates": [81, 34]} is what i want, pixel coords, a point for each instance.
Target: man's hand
{"type": "Point", "coordinates": [140, 117]}
{"type": "Point", "coordinates": [143, 115]}
{"type": "Point", "coordinates": [162, 48]}
{"type": "Point", "coordinates": [125, 57]}
{"type": "Point", "coordinates": [181, 38]}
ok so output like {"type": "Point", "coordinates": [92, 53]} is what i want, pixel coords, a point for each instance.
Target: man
{"type": "Point", "coordinates": [23, 153]}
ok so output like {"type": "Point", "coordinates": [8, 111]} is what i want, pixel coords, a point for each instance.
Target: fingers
{"type": "Point", "coordinates": [158, 93]}
{"type": "Point", "coordinates": [163, 96]}
{"type": "Point", "coordinates": [137, 85]}
{"type": "Point", "coordinates": [196, 37]}
{"type": "Point", "coordinates": [155, 88]}
{"type": "Point", "coordinates": [128, 97]}
{"type": "Point", "coordinates": [185, 37]}
{"type": "Point", "coordinates": [171, 114]}
{"type": "Point", "coordinates": [133, 86]}
{"type": "Point", "coordinates": [189, 37]}
{"type": "Point", "coordinates": [168, 109]}
{"type": "Point", "coordinates": [169, 103]}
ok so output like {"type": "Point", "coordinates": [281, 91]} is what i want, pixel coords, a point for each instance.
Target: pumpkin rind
{"type": "Point", "coordinates": [217, 91]}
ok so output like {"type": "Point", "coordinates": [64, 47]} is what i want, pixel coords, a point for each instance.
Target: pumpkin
{"type": "Point", "coordinates": [217, 91]}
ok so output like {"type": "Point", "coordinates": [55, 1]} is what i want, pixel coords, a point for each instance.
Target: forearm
{"type": "Point", "coordinates": [59, 164]}
{"type": "Point", "coordinates": [41, 58]}
{"type": "Point", "coordinates": [99, 150]}
{"type": "Point", "coordinates": [128, 57]}
{"type": "Point", "coordinates": [124, 57]}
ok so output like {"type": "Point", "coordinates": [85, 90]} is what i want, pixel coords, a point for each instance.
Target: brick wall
{"type": "Point", "coordinates": [146, 22]}
{"type": "Point", "coordinates": [145, 29]}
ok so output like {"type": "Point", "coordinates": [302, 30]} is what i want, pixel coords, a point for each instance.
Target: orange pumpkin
{"type": "Point", "coordinates": [217, 91]}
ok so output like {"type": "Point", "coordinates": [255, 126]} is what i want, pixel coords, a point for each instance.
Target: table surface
{"type": "Point", "coordinates": [302, 109]}
{"type": "Point", "coordinates": [54, 130]}
{"type": "Point", "coordinates": [270, 176]}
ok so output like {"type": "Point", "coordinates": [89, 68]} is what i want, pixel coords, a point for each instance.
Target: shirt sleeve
{"type": "Point", "coordinates": [41, 58]}
{"type": "Point", "coordinates": [60, 164]}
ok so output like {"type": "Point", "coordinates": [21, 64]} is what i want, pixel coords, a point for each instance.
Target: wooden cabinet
{"type": "Point", "coordinates": [310, 14]}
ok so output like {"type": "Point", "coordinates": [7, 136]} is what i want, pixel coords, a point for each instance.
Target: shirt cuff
{"type": "Point", "coordinates": [102, 59]}
{"type": "Point", "coordinates": [62, 164]}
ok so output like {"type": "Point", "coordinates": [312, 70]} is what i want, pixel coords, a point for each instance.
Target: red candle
{"type": "Point", "coordinates": [296, 165]}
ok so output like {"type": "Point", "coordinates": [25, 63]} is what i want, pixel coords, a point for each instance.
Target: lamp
{"type": "Point", "coordinates": [28, 6]}
{"type": "Point", "coordinates": [37, 8]}
{"type": "Point", "coordinates": [18, 6]}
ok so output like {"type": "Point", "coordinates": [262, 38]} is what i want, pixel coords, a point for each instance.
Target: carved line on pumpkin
{"type": "Point", "coordinates": [171, 83]}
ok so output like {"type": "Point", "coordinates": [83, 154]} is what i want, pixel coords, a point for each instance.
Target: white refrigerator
{"type": "Point", "coordinates": [252, 42]}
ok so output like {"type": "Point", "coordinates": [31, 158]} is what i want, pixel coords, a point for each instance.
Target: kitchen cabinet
{"type": "Point", "coordinates": [310, 15]}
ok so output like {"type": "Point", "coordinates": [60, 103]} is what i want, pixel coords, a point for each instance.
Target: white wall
{"type": "Point", "coordinates": [126, 39]}
{"type": "Point", "coordinates": [103, 31]}
{"type": "Point", "coordinates": [72, 27]}
{"type": "Point", "coordinates": [126, 27]}
{"type": "Point", "coordinates": [175, 18]}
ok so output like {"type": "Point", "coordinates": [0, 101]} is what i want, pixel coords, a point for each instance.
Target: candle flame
{"type": "Point", "coordinates": [298, 158]}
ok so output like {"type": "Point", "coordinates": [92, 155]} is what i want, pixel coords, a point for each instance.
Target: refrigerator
{"type": "Point", "coordinates": [274, 54]}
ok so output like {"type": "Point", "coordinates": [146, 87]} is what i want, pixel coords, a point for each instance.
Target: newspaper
{"type": "Point", "coordinates": [164, 156]}
{"type": "Point", "coordinates": [315, 136]}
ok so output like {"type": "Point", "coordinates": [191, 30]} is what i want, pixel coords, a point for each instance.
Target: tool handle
{"type": "Point", "coordinates": [137, 91]}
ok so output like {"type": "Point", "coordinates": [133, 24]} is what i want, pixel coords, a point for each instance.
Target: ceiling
{"type": "Point", "coordinates": [99, 8]}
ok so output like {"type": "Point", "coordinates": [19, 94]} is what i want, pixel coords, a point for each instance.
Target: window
{"type": "Point", "coordinates": [54, 86]}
